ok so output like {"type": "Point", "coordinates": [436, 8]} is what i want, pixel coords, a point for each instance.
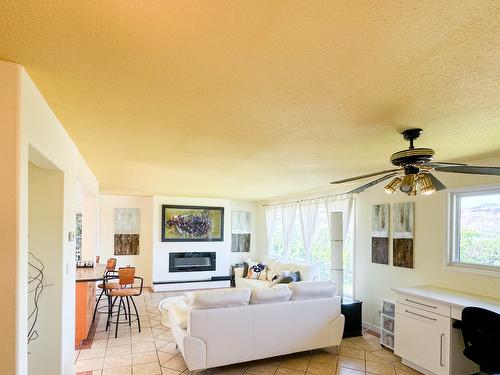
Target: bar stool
{"type": "Point", "coordinates": [126, 280]}
{"type": "Point", "coordinates": [109, 271]}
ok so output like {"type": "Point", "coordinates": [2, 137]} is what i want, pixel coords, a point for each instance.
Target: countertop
{"type": "Point", "coordinates": [451, 297]}
{"type": "Point", "coordinates": [90, 274]}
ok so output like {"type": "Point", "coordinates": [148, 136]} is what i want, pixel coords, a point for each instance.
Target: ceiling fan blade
{"type": "Point", "coordinates": [470, 169]}
{"type": "Point", "coordinates": [374, 182]}
{"type": "Point", "coordinates": [365, 176]}
{"type": "Point", "coordinates": [437, 184]}
{"type": "Point", "coordinates": [435, 164]}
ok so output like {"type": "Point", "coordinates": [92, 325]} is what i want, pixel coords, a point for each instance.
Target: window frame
{"type": "Point", "coordinates": [452, 261]}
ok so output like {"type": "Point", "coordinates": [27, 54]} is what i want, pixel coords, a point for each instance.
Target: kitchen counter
{"type": "Point", "coordinates": [90, 274]}
{"type": "Point", "coordinates": [85, 293]}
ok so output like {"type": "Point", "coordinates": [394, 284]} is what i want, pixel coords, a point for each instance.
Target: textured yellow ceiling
{"type": "Point", "coordinates": [254, 99]}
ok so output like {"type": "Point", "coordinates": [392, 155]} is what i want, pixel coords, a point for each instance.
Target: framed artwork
{"type": "Point", "coordinates": [126, 231]}
{"type": "Point", "coordinates": [380, 233]}
{"type": "Point", "coordinates": [403, 236]}
{"type": "Point", "coordinates": [240, 242]}
{"type": "Point", "coordinates": [191, 223]}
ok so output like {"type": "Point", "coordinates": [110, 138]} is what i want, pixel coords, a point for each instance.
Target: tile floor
{"type": "Point", "coordinates": [153, 352]}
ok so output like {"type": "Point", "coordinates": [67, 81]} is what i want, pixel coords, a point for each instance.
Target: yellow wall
{"type": "Point", "coordinates": [374, 281]}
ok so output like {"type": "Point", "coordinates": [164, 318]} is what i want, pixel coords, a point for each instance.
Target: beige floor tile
{"type": "Point", "coordinates": [386, 355]}
{"type": "Point", "coordinates": [124, 370]}
{"type": "Point", "coordinates": [118, 361]}
{"type": "Point", "coordinates": [321, 368]}
{"type": "Point", "coordinates": [147, 369]}
{"type": "Point", "coordinates": [143, 347]}
{"type": "Point", "coordinates": [118, 350]}
{"type": "Point", "coordinates": [229, 370]}
{"type": "Point", "coordinates": [258, 368]}
{"type": "Point", "coordinates": [324, 357]}
{"type": "Point", "coordinates": [348, 371]}
{"type": "Point", "coordinates": [118, 341]}
{"type": "Point", "coordinates": [351, 363]}
{"type": "Point", "coordinates": [164, 357]}
{"type": "Point", "coordinates": [352, 352]}
{"type": "Point", "coordinates": [380, 368]}
{"type": "Point", "coordinates": [299, 363]}
{"type": "Point", "coordinates": [89, 364]}
{"type": "Point", "coordinates": [144, 357]}
{"type": "Point", "coordinates": [404, 370]}
{"type": "Point", "coordinates": [287, 371]}
{"type": "Point", "coordinates": [92, 353]}
{"type": "Point", "coordinates": [100, 343]}
{"type": "Point", "coordinates": [167, 371]}
{"type": "Point", "coordinates": [175, 363]}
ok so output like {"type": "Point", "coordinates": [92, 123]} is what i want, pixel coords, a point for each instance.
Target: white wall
{"type": "Point", "coordinates": [162, 249]}
{"type": "Point", "coordinates": [144, 261]}
{"type": "Point", "coordinates": [30, 128]}
{"type": "Point", "coordinates": [374, 281]}
{"type": "Point", "coordinates": [45, 242]}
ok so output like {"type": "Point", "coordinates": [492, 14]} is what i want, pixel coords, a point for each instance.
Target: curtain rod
{"type": "Point", "coordinates": [333, 197]}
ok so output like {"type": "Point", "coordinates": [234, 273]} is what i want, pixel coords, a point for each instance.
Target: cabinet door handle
{"type": "Point", "coordinates": [420, 303]}
{"type": "Point", "coordinates": [420, 315]}
{"type": "Point", "coordinates": [441, 350]}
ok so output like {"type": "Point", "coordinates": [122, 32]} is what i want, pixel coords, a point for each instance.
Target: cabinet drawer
{"type": "Point", "coordinates": [424, 304]}
{"type": "Point", "coordinates": [423, 315]}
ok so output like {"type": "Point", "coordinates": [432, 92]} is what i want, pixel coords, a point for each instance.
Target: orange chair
{"type": "Point", "coordinates": [110, 270]}
{"type": "Point", "coordinates": [126, 280]}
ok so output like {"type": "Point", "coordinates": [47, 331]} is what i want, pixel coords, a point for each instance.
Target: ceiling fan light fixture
{"type": "Point", "coordinates": [426, 185]}
{"type": "Point", "coordinates": [393, 185]}
{"type": "Point", "coordinates": [408, 184]}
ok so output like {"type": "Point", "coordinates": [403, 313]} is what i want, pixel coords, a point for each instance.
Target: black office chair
{"type": "Point", "coordinates": [481, 332]}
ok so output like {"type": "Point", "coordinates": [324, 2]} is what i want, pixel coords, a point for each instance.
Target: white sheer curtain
{"type": "Point", "coordinates": [271, 212]}
{"type": "Point", "coordinates": [288, 214]}
{"type": "Point", "coordinates": [308, 219]}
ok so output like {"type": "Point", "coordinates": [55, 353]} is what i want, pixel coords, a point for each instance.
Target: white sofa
{"type": "Point", "coordinates": [273, 267]}
{"type": "Point", "coordinates": [275, 321]}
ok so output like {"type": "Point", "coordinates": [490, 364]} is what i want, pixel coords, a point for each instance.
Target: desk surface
{"type": "Point", "coordinates": [451, 297]}
{"type": "Point", "coordinates": [90, 274]}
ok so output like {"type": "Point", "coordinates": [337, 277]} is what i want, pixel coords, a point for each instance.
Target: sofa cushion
{"type": "Point", "coordinates": [312, 289]}
{"type": "Point", "coordinates": [271, 264]}
{"type": "Point", "coordinates": [204, 299]}
{"type": "Point", "coordinates": [279, 293]}
{"type": "Point", "coordinates": [179, 312]}
{"type": "Point", "coordinates": [252, 284]}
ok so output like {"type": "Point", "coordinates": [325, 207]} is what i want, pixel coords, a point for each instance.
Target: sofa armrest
{"type": "Point", "coordinates": [195, 353]}
{"type": "Point", "coordinates": [337, 330]}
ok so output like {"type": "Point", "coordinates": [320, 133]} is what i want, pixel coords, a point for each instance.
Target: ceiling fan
{"type": "Point", "coordinates": [414, 170]}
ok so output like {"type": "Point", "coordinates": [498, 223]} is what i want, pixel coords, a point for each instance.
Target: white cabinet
{"type": "Point", "coordinates": [423, 338]}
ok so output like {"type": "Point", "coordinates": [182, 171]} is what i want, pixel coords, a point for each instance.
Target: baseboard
{"type": "Point", "coordinates": [371, 328]}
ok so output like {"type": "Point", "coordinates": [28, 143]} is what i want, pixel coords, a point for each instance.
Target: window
{"type": "Point", "coordinates": [278, 249]}
{"type": "Point", "coordinates": [475, 229]}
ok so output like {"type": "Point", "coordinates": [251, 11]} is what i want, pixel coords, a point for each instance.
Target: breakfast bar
{"type": "Point", "coordinates": [85, 279]}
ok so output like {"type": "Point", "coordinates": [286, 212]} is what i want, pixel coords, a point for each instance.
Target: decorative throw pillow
{"type": "Point", "coordinates": [280, 276]}
{"type": "Point", "coordinates": [292, 277]}
{"type": "Point", "coordinates": [246, 267]}
{"type": "Point", "coordinates": [255, 271]}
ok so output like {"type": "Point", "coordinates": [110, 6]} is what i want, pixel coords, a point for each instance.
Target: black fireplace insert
{"type": "Point", "coordinates": [191, 262]}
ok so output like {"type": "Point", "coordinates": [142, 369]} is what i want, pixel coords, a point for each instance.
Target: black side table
{"type": "Point", "coordinates": [351, 309]}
